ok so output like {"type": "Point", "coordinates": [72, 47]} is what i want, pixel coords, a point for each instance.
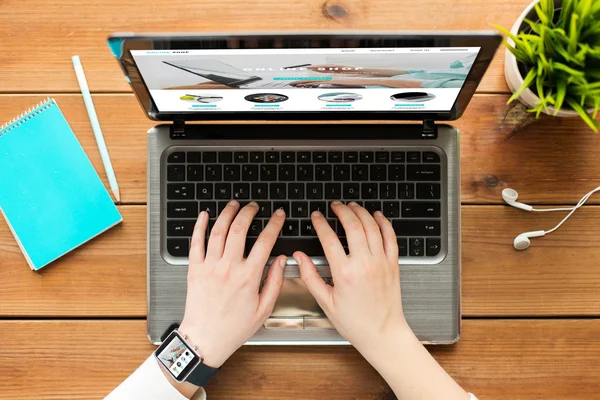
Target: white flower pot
{"type": "Point", "coordinates": [513, 76]}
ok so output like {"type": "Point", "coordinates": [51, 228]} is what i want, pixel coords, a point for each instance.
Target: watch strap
{"type": "Point", "coordinates": [201, 374]}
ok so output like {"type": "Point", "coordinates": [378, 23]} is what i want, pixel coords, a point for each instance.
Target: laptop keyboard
{"type": "Point", "coordinates": [404, 185]}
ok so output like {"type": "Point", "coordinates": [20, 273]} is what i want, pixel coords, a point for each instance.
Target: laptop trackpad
{"type": "Point", "coordinates": [296, 308]}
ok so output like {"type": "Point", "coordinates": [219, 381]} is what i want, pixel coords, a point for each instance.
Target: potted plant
{"type": "Point", "coordinates": [553, 59]}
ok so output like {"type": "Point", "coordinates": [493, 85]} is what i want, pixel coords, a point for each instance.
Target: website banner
{"type": "Point", "coordinates": [305, 79]}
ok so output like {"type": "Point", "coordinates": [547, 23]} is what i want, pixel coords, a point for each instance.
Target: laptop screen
{"type": "Point", "coordinates": [398, 80]}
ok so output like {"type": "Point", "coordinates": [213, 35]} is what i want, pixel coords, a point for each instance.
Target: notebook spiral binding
{"type": "Point", "coordinates": [26, 116]}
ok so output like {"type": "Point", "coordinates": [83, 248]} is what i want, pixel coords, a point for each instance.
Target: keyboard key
{"type": "Point", "coordinates": [285, 205]}
{"type": "Point", "coordinates": [431, 157]}
{"type": "Point", "coordinates": [296, 191]}
{"type": "Point", "coordinates": [402, 247]}
{"type": "Point", "coordinates": [416, 227]}
{"type": "Point", "coordinates": [304, 156]}
{"type": "Point", "coordinates": [225, 157]}
{"type": "Point", "coordinates": [288, 245]}
{"type": "Point", "coordinates": [320, 206]}
{"type": "Point", "coordinates": [433, 247]}
{"type": "Point", "coordinates": [214, 173]}
{"type": "Point", "coordinates": [220, 207]}
{"type": "Point", "coordinates": [391, 209]}
{"type": "Point", "coordinates": [413, 157]}
{"type": "Point", "coordinates": [223, 191]}
{"type": "Point", "coordinates": [287, 173]}
{"type": "Point", "coordinates": [264, 209]}
{"type": "Point", "coordinates": [288, 157]}
{"type": "Point", "coordinates": [180, 191]}
{"type": "Point", "coordinates": [194, 157]}
{"type": "Point", "coordinates": [416, 247]}
{"type": "Point", "coordinates": [323, 173]}
{"type": "Point", "coordinates": [304, 173]}
{"type": "Point", "coordinates": [260, 191]}
{"type": "Point", "coordinates": [180, 227]}
{"type": "Point", "coordinates": [204, 191]}
{"type": "Point", "coordinates": [417, 209]}
{"type": "Point", "coordinates": [387, 191]}
{"type": "Point", "coordinates": [256, 227]}
{"type": "Point", "coordinates": [319, 156]}
{"type": "Point", "coordinates": [428, 191]}
{"type": "Point", "coordinates": [194, 173]}
{"type": "Point", "coordinates": [209, 157]}
{"type": "Point", "coordinates": [335, 157]}
{"type": "Point", "coordinates": [250, 173]}
{"type": "Point", "coordinates": [231, 173]}
{"type": "Point", "coordinates": [240, 157]}
{"type": "Point", "coordinates": [372, 206]}
{"type": "Point", "coordinates": [366, 157]}
{"type": "Point", "coordinates": [398, 156]}
{"type": "Point", "coordinates": [406, 190]}
{"type": "Point", "coordinates": [351, 157]}
{"type": "Point", "coordinates": [306, 228]}
{"type": "Point", "coordinates": [333, 191]}
{"type": "Point", "coordinates": [314, 191]}
{"type": "Point", "coordinates": [341, 173]}
{"type": "Point", "coordinates": [291, 227]}
{"type": "Point", "coordinates": [210, 207]}
{"type": "Point", "coordinates": [382, 157]}
{"type": "Point", "coordinates": [277, 191]}
{"type": "Point", "coordinates": [176, 157]}
{"type": "Point", "coordinates": [378, 173]}
{"type": "Point", "coordinates": [360, 172]}
{"type": "Point", "coordinates": [176, 172]}
{"type": "Point", "coordinates": [351, 191]}
{"type": "Point", "coordinates": [182, 209]}
{"type": "Point", "coordinates": [257, 157]}
{"type": "Point", "coordinates": [178, 247]}
{"type": "Point", "coordinates": [396, 173]}
{"type": "Point", "coordinates": [299, 209]}
{"type": "Point", "coordinates": [423, 172]}
{"type": "Point", "coordinates": [268, 173]}
{"type": "Point", "coordinates": [272, 157]}
{"type": "Point", "coordinates": [368, 190]}
{"type": "Point", "coordinates": [241, 191]}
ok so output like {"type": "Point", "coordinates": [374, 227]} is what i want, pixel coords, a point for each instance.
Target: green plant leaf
{"type": "Point", "coordinates": [561, 92]}
{"type": "Point", "coordinates": [583, 114]}
{"type": "Point", "coordinates": [526, 83]}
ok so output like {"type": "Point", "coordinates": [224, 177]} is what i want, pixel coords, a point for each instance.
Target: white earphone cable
{"type": "Point", "coordinates": [573, 209]}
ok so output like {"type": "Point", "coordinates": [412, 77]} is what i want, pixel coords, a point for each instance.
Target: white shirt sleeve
{"type": "Point", "coordinates": [149, 383]}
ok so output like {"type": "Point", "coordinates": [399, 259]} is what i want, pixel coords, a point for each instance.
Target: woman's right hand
{"type": "Point", "coordinates": [365, 303]}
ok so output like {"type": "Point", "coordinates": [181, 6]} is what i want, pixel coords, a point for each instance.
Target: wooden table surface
{"type": "Point", "coordinates": [77, 329]}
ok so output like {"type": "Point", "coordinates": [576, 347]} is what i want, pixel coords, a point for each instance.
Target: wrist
{"type": "Point", "coordinates": [382, 344]}
{"type": "Point", "coordinates": [211, 354]}
{"type": "Point", "coordinates": [187, 389]}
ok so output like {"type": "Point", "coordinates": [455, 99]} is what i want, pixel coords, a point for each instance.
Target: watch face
{"type": "Point", "coordinates": [177, 357]}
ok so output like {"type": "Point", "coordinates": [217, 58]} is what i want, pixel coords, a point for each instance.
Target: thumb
{"type": "Point", "coordinates": [312, 280]}
{"type": "Point", "coordinates": [272, 287]}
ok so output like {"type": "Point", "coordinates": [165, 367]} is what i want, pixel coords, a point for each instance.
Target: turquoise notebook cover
{"type": "Point", "coordinates": [50, 194]}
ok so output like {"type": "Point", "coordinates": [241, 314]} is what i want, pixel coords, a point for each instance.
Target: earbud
{"type": "Point", "coordinates": [522, 241]}
{"type": "Point", "coordinates": [510, 196]}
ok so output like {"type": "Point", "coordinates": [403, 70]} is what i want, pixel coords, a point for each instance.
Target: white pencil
{"type": "Point", "coordinates": [87, 98]}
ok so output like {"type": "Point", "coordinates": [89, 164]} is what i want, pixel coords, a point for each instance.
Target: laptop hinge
{"type": "Point", "coordinates": [178, 129]}
{"type": "Point", "coordinates": [429, 130]}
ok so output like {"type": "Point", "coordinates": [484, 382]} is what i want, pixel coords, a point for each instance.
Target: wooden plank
{"type": "Point", "coordinates": [557, 276]}
{"type": "Point", "coordinates": [63, 28]}
{"type": "Point", "coordinates": [551, 162]}
{"type": "Point", "coordinates": [497, 360]}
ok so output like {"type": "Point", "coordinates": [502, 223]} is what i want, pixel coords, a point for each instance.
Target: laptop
{"type": "Point", "coordinates": [360, 116]}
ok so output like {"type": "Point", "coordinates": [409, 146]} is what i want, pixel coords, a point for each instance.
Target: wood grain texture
{"type": "Point", "coordinates": [39, 37]}
{"type": "Point", "coordinates": [497, 360]}
{"type": "Point", "coordinates": [551, 162]}
{"type": "Point", "coordinates": [558, 275]}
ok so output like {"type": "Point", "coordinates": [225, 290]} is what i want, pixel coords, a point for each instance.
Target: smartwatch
{"type": "Point", "coordinates": [182, 360]}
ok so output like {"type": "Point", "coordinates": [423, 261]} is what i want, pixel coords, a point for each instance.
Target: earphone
{"type": "Point", "coordinates": [522, 241]}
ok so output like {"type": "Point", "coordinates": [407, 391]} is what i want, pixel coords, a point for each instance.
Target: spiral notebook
{"type": "Point", "coordinates": [50, 194]}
